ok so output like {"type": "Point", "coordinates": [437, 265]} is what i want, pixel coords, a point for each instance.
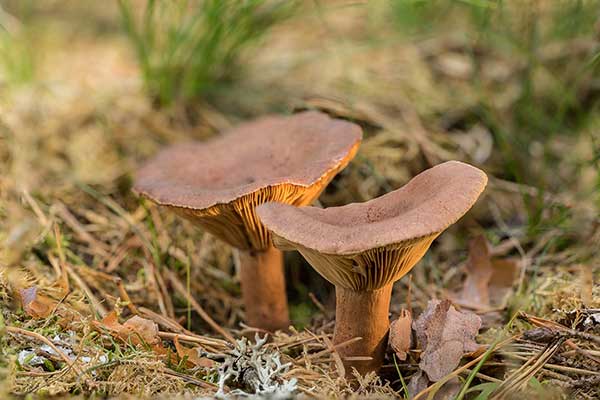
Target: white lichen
{"type": "Point", "coordinates": [256, 371]}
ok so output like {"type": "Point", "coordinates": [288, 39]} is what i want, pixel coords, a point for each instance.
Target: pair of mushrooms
{"type": "Point", "coordinates": [251, 187]}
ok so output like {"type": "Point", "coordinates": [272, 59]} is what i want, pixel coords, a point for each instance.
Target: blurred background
{"type": "Point", "coordinates": [89, 89]}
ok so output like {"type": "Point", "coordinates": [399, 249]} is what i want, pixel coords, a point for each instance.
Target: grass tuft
{"type": "Point", "coordinates": [189, 48]}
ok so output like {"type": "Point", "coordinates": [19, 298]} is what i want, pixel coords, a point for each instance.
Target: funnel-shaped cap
{"type": "Point", "coordinates": [364, 246]}
{"type": "Point", "coordinates": [218, 183]}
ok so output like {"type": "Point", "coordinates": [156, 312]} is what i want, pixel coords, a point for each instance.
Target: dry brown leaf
{"type": "Point", "coordinates": [136, 330]}
{"type": "Point", "coordinates": [193, 356]}
{"type": "Point", "coordinates": [445, 335]}
{"type": "Point", "coordinates": [489, 279]}
{"type": "Point", "coordinates": [36, 305]}
{"type": "Point", "coordinates": [400, 333]}
{"type": "Point", "coordinates": [479, 272]}
{"type": "Point", "coordinates": [147, 329]}
{"type": "Point", "coordinates": [505, 273]}
{"type": "Point", "coordinates": [419, 382]}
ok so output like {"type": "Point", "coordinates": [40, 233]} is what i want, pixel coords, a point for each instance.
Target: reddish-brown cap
{"type": "Point", "coordinates": [404, 221]}
{"type": "Point", "coordinates": [219, 182]}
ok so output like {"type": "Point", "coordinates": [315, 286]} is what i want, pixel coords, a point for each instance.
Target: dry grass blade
{"type": "Point", "coordinates": [180, 288]}
{"type": "Point", "coordinates": [38, 337]}
{"type": "Point", "coordinates": [519, 378]}
{"type": "Point", "coordinates": [512, 89]}
{"type": "Point", "coordinates": [433, 388]}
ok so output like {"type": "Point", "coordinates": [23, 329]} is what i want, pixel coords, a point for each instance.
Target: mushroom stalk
{"type": "Point", "coordinates": [362, 314]}
{"type": "Point", "coordinates": [263, 289]}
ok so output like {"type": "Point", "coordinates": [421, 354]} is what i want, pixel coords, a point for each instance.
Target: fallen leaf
{"type": "Point", "coordinates": [419, 382]}
{"type": "Point", "coordinates": [479, 272]}
{"type": "Point", "coordinates": [400, 333]}
{"type": "Point", "coordinates": [449, 390]}
{"type": "Point", "coordinates": [489, 280]}
{"type": "Point", "coordinates": [148, 330]}
{"type": "Point", "coordinates": [136, 330]}
{"type": "Point", "coordinates": [505, 273]}
{"type": "Point", "coordinates": [36, 305]}
{"type": "Point", "coordinates": [192, 356]}
{"type": "Point", "coordinates": [445, 335]}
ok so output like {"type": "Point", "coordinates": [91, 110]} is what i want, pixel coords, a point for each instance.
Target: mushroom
{"type": "Point", "coordinates": [363, 248]}
{"type": "Point", "coordinates": [217, 184]}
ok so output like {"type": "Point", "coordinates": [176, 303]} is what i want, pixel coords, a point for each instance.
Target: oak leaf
{"type": "Point", "coordinates": [445, 335]}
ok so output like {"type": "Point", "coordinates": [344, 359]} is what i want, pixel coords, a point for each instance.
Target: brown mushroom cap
{"type": "Point", "coordinates": [219, 182]}
{"type": "Point", "coordinates": [368, 245]}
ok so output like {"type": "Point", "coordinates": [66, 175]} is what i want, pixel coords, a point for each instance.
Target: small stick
{"type": "Point", "coordinates": [115, 261]}
{"type": "Point", "coordinates": [333, 348]}
{"type": "Point", "coordinates": [150, 270]}
{"type": "Point", "coordinates": [165, 294]}
{"type": "Point", "coordinates": [35, 207]}
{"type": "Point", "coordinates": [579, 350]}
{"type": "Point", "coordinates": [560, 367]}
{"type": "Point", "coordinates": [483, 376]}
{"type": "Point", "coordinates": [212, 348]}
{"type": "Point", "coordinates": [190, 379]}
{"type": "Point", "coordinates": [71, 221]}
{"type": "Point", "coordinates": [163, 321]}
{"type": "Point", "coordinates": [62, 276]}
{"type": "Point", "coordinates": [317, 303]}
{"type": "Point", "coordinates": [123, 293]}
{"type": "Point", "coordinates": [198, 308]}
{"type": "Point", "coordinates": [461, 369]}
{"type": "Point", "coordinates": [338, 360]}
{"type": "Point", "coordinates": [37, 336]}
{"type": "Point", "coordinates": [96, 304]}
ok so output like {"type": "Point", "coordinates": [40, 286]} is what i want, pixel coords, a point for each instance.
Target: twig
{"type": "Point", "coordinates": [123, 293]}
{"type": "Point", "coordinates": [521, 376]}
{"type": "Point", "coordinates": [165, 322]}
{"type": "Point", "coordinates": [166, 299]}
{"type": "Point", "coordinates": [37, 336]}
{"type": "Point", "coordinates": [317, 303]}
{"type": "Point", "coordinates": [341, 370]}
{"type": "Point", "coordinates": [461, 369]}
{"type": "Point", "coordinates": [333, 348]}
{"type": "Point", "coordinates": [96, 304]}
{"type": "Point", "coordinates": [34, 205]}
{"type": "Point", "coordinates": [99, 247]}
{"type": "Point", "coordinates": [190, 379]}
{"type": "Point", "coordinates": [209, 343]}
{"type": "Point", "coordinates": [150, 270]}
{"type": "Point", "coordinates": [197, 307]}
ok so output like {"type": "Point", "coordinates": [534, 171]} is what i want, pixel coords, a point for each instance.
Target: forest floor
{"type": "Point", "coordinates": [84, 262]}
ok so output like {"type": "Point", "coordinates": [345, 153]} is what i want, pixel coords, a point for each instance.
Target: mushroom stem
{"type": "Point", "coordinates": [362, 314]}
{"type": "Point", "coordinates": [263, 289]}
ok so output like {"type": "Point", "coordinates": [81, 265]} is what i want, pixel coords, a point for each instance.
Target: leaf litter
{"type": "Point", "coordinates": [489, 280]}
{"type": "Point", "coordinates": [47, 187]}
{"type": "Point", "coordinates": [445, 336]}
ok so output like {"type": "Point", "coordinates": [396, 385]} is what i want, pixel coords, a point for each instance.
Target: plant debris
{"type": "Point", "coordinates": [255, 371]}
{"type": "Point", "coordinates": [489, 279]}
{"type": "Point", "coordinates": [35, 304]}
{"type": "Point", "coordinates": [445, 336]}
{"type": "Point", "coordinates": [512, 89]}
{"type": "Point", "coordinates": [401, 333]}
